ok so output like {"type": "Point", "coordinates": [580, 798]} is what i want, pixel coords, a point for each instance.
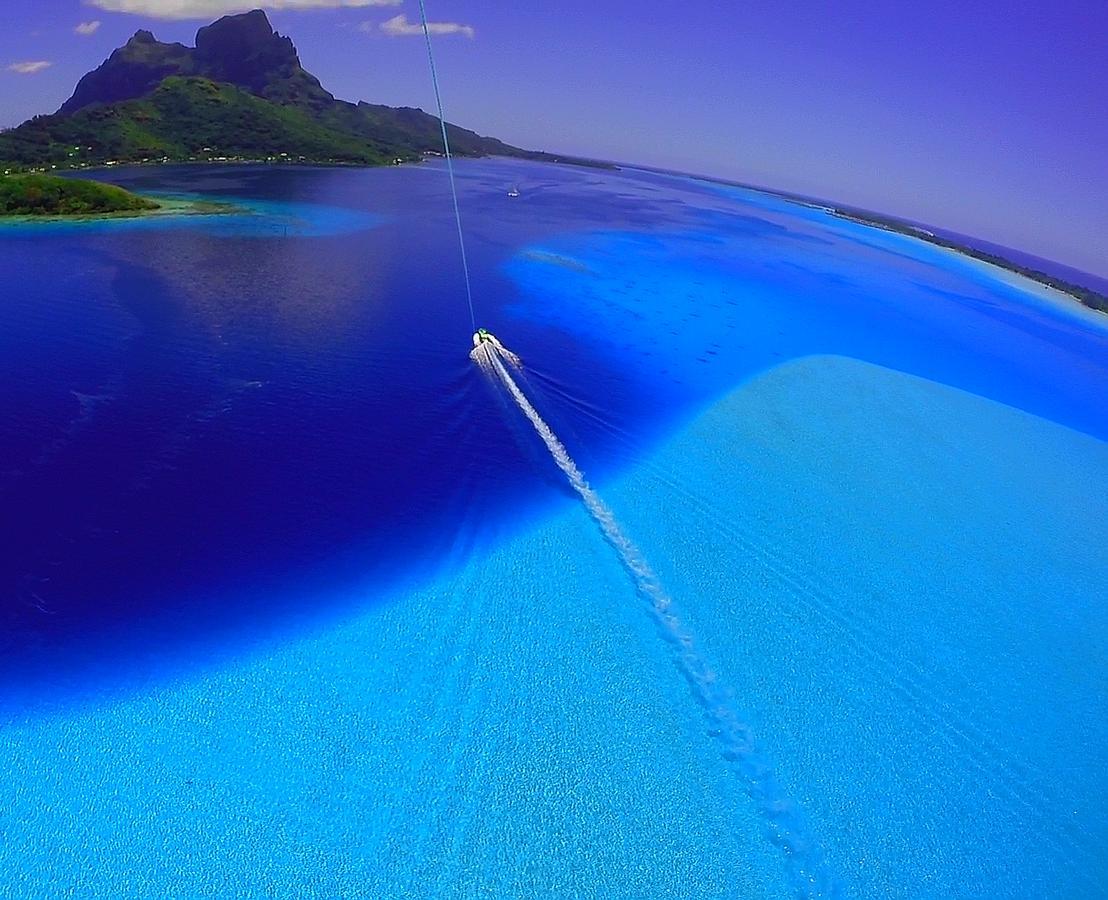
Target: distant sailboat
{"type": "Point", "coordinates": [514, 192]}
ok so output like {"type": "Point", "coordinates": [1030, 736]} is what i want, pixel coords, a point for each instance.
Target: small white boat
{"type": "Point", "coordinates": [483, 338]}
{"type": "Point", "coordinates": [514, 192]}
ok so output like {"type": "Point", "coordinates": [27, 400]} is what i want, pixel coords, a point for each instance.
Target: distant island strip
{"type": "Point", "coordinates": [1082, 294]}
{"type": "Point", "coordinates": [1086, 296]}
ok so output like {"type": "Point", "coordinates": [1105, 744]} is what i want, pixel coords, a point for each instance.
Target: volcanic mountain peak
{"type": "Point", "coordinates": [242, 50]}
{"type": "Point", "coordinates": [240, 93]}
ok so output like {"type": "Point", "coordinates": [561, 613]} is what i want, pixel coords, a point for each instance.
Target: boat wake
{"type": "Point", "coordinates": [486, 339]}
{"type": "Point", "coordinates": [783, 818]}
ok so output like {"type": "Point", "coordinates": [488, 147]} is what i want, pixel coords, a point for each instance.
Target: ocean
{"type": "Point", "coordinates": [297, 604]}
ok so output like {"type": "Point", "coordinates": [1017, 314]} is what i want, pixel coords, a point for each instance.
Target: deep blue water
{"type": "Point", "coordinates": [224, 436]}
{"type": "Point", "coordinates": [208, 414]}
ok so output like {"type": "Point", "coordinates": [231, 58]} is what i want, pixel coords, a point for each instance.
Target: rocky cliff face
{"type": "Point", "coordinates": [245, 51]}
{"type": "Point", "coordinates": [242, 50]}
{"type": "Point", "coordinates": [133, 70]}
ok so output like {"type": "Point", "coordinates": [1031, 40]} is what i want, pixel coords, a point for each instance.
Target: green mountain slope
{"type": "Point", "coordinates": [241, 92]}
{"type": "Point", "coordinates": [183, 118]}
{"type": "Point", "coordinates": [133, 70]}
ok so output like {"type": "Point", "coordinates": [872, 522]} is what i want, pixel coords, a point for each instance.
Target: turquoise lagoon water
{"type": "Point", "coordinates": [298, 605]}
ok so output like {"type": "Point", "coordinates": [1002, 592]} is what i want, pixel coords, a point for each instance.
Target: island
{"type": "Point", "coordinates": [1084, 295]}
{"type": "Point", "coordinates": [239, 95]}
{"type": "Point", "coordinates": [50, 198]}
{"type": "Point", "coordinates": [50, 195]}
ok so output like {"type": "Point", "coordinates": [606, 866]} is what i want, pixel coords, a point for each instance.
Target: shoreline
{"type": "Point", "coordinates": [167, 206]}
{"type": "Point", "coordinates": [1087, 297]}
{"type": "Point", "coordinates": [302, 161]}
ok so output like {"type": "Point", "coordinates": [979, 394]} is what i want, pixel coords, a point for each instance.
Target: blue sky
{"type": "Point", "coordinates": [984, 116]}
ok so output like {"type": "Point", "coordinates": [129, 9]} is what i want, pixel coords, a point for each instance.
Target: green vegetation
{"type": "Point", "coordinates": [184, 118]}
{"type": "Point", "coordinates": [193, 118]}
{"type": "Point", "coordinates": [1084, 295]}
{"type": "Point", "coordinates": [49, 195]}
{"type": "Point", "coordinates": [239, 94]}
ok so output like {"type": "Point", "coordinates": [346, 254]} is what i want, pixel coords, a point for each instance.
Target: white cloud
{"type": "Point", "coordinates": [29, 68]}
{"type": "Point", "coordinates": [87, 28]}
{"type": "Point", "coordinates": [213, 9]}
{"type": "Point", "coordinates": [399, 26]}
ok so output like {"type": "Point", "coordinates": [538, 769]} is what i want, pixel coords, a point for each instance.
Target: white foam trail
{"type": "Point", "coordinates": [483, 353]}
{"type": "Point", "coordinates": [783, 818]}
